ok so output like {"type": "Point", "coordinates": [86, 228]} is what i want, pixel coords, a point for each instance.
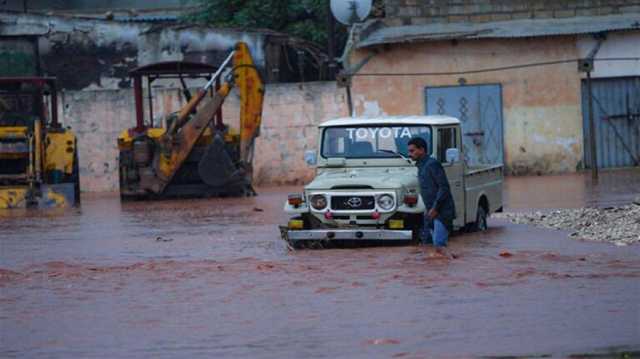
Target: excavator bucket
{"type": "Point", "coordinates": [216, 168]}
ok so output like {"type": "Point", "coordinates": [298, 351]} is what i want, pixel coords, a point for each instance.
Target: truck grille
{"type": "Point", "coordinates": [353, 202]}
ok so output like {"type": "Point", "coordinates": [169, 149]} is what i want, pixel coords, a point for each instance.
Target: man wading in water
{"type": "Point", "coordinates": [436, 195]}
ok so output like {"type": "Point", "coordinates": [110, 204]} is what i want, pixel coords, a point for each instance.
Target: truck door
{"type": "Point", "coordinates": [449, 138]}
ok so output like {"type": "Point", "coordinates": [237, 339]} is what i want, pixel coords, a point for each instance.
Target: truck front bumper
{"type": "Point", "coordinates": [349, 235]}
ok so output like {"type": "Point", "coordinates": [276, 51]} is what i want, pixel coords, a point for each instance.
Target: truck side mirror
{"type": "Point", "coordinates": [452, 155]}
{"type": "Point", "coordinates": [310, 158]}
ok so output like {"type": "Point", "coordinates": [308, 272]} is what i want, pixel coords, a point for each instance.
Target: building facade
{"type": "Point", "coordinates": [510, 71]}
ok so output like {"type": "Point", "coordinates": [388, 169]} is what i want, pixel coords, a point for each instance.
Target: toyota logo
{"type": "Point", "coordinates": [354, 202]}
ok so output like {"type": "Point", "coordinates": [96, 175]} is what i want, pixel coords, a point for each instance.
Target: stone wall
{"type": "Point", "coordinates": [290, 118]}
{"type": "Point", "coordinates": [291, 113]}
{"type": "Point", "coordinates": [405, 12]}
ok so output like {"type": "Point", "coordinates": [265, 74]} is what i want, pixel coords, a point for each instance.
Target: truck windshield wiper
{"type": "Point", "coordinates": [396, 153]}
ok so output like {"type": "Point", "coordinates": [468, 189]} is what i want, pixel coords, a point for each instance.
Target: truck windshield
{"type": "Point", "coordinates": [371, 141]}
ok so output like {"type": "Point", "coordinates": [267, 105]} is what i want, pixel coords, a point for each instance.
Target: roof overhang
{"type": "Point", "coordinates": [524, 28]}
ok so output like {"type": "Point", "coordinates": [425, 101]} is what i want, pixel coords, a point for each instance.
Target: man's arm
{"type": "Point", "coordinates": [440, 177]}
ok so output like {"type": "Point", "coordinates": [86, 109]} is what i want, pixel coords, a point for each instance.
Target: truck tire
{"type": "Point", "coordinates": [415, 223]}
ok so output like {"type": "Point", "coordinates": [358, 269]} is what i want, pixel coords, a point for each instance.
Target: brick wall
{"type": "Point", "coordinates": [406, 12]}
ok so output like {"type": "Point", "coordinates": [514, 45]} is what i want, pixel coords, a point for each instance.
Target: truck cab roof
{"type": "Point", "coordinates": [437, 120]}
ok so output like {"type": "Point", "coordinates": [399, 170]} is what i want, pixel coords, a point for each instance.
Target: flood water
{"type": "Point", "coordinates": [212, 278]}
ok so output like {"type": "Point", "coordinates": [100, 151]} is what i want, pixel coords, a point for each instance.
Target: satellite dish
{"type": "Point", "coordinates": [348, 12]}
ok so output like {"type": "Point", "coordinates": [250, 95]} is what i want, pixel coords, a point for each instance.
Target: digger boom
{"type": "Point", "coordinates": [184, 113]}
{"type": "Point", "coordinates": [223, 157]}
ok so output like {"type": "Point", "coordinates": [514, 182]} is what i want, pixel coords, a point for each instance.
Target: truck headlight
{"type": "Point", "coordinates": [318, 201]}
{"type": "Point", "coordinates": [386, 202]}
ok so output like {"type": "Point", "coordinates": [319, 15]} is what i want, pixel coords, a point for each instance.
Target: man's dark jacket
{"type": "Point", "coordinates": [435, 191]}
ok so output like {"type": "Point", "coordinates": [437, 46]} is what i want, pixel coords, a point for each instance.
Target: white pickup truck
{"type": "Point", "coordinates": [366, 188]}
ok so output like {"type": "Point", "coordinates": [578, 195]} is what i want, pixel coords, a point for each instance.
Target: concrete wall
{"type": "Point", "coordinates": [404, 12]}
{"type": "Point", "coordinates": [541, 105]}
{"type": "Point", "coordinates": [291, 114]}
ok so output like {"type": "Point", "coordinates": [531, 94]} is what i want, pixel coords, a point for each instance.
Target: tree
{"type": "Point", "coordinates": [306, 19]}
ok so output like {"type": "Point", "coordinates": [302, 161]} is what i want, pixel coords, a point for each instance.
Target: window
{"type": "Point", "coordinates": [371, 141]}
{"type": "Point", "coordinates": [447, 138]}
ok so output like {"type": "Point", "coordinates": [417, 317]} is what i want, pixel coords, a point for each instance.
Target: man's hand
{"type": "Point", "coordinates": [432, 214]}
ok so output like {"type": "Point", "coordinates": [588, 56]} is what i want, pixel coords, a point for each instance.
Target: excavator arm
{"type": "Point", "coordinates": [251, 95]}
{"type": "Point", "coordinates": [179, 139]}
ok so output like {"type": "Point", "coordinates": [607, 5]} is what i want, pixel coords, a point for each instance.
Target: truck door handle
{"type": "Point", "coordinates": [479, 133]}
{"type": "Point", "coordinates": [457, 183]}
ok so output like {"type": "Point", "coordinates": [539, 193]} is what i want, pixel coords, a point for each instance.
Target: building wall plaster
{"type": "Point", "coordinates": [541, 105]}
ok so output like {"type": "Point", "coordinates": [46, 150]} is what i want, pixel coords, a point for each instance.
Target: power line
{"type": "Point", "coordinates": [494, 69]}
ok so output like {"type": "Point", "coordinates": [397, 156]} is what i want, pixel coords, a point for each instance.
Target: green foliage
{"type": "Point", "coordinates": [14, 63]}
{"type": "Point", "coordinates": [306, 19]}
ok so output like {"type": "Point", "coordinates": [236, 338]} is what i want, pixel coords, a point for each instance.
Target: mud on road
{"type": "Point", "coordinates": [211, 278]}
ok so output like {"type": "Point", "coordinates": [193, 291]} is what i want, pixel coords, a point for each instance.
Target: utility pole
{"type": "Point", "coordinates": [586, 65]}
{"type": "Point", "coordinates": [331, 42]}
{"type": "Point", "coordinates": [592, 131]}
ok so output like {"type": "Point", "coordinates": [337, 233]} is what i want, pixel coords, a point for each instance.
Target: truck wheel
{"type": "Point", "coordinates": [481, 220]}
{"type": "Point", "coordinates": [415, 223]}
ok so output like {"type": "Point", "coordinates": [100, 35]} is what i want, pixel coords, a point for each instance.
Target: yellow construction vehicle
{"type": "Point", "coordinates": [38, 157]}
{"type": "Point", "coordinates": [193, 153]}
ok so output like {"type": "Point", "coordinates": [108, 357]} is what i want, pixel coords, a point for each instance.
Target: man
{"type": "Point", "coordinates": [436, 195]}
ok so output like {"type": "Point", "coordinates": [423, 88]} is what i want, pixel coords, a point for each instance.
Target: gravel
{"type": "Point", "coordinates": [617, 225]}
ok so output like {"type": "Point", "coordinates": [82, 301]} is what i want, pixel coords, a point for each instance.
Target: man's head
{"type": "Point", "coordinates": [417, 148]}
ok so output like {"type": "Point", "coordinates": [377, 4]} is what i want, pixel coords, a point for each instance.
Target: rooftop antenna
{"type": "Point", "coordinates": [349, 13]}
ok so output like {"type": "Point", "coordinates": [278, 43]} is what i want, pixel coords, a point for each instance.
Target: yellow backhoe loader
{"type": "Point", "coordinates": [193, 153]}
{"type": "Point", "coordinates": [38, 157]}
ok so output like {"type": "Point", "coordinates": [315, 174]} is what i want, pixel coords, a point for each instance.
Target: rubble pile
{"type": "Point", "coordinates": [617, 225]}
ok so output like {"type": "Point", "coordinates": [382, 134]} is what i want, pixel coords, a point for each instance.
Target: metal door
{"type": "Point", "coordinates": [479, 108]}
{"type": "Point", "coordinates": [454, 170]}
{"type": "Point", "coordinates": [616, 115]}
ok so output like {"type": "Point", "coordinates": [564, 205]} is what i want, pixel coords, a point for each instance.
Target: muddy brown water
{"type": "Point", "coordinates": [211, 278]}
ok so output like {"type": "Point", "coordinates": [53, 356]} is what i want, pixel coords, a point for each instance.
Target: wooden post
{"type": "Point", "coordinates": [592, 134]}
